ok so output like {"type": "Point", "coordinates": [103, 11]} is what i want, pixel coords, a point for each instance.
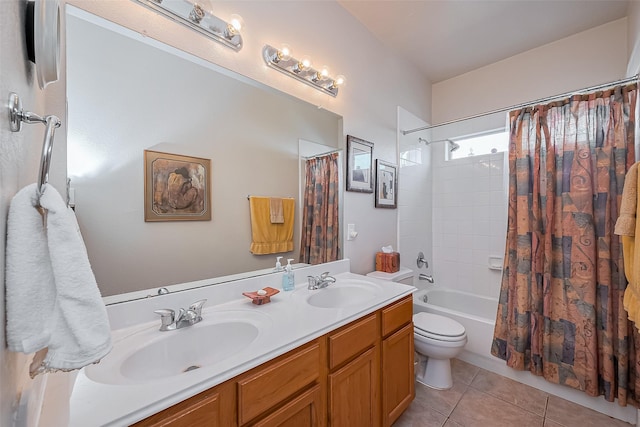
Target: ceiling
{"type": "Point", "coordinates": [446, 38]}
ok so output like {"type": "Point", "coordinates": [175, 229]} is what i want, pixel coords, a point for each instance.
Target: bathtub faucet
{"type": "Point", "coordinates": [426, 277]}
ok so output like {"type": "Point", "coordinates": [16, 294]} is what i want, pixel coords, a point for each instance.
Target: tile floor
{"type": "Point", "coordinates": [480, 398]}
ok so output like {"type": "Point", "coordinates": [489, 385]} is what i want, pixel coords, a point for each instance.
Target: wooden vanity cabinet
{"type": "Point", "coordinates": [354, 377]}
{"type": "Point", "coordinates": [398, 389]}
{"type": "Point", "coordinates": [360, 375]}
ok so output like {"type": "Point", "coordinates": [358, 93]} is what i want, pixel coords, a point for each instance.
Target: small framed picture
{"type": "Point", "coordinates": [359, 165]}
{"type": "Point", "coordinates": [176, 188]}
{"type": "Point", "coordinates": [386, 185]}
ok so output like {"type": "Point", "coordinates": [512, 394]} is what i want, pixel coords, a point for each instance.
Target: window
{"type": "Point", "coordinates": [493, 142]}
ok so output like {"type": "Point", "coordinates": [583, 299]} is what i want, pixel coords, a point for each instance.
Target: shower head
{"type": "Point", "coordinates": [452, 145]}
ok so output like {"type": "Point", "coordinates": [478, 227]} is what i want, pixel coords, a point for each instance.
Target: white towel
{"type": "Point", "coordinates": [53, 302]}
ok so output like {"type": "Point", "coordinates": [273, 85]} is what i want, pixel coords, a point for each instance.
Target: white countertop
{"type": "Point", "coordinates": [289, 321]}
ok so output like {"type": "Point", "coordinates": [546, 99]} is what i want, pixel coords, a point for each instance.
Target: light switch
{"type": "Point", "coordinates": [351, 232]}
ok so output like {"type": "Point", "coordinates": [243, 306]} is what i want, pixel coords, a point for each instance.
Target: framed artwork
{"type": "Point", "coordinates": [359, 165]}
{"type": "Point", "coordinates": [386, 185]}
{"type": "Point", "coordinates": [176, 188]}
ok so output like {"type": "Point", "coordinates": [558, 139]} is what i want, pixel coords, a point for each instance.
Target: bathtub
{"type": "Point", "coordinates": [476, 313]}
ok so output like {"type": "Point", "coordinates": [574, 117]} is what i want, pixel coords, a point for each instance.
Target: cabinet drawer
{"type": "Point", "coordinates": [199, 411]}
{"type": "Point", "coordinates": [274, 383]}
{"type": "Point", "coordinates": [397, 315]}
{"type": "Point", "coordinates": [352, 340]}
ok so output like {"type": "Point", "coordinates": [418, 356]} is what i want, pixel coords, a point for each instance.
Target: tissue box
{"type": "Point", "coordinates": [388, 262]}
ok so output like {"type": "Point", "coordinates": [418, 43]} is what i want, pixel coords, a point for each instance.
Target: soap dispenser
{"type": "Point", "coordinates": [278, 265]}
{"type": "Point", "coordinates": [288, 278]}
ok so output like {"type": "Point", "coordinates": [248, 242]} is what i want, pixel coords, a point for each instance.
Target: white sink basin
{"type": "Point", "coordinates": [150, 355]}
{"type": "Point", "coordinates": [344, 294]}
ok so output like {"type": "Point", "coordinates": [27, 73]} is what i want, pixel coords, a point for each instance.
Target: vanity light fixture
{"type": "Point", "coordinates": [197, 15]}
{"type": "Point", "coordinates": [301, 69]}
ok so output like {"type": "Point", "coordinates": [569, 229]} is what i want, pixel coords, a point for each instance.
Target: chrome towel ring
{"type": "Point", "coordinates": [17, 116]}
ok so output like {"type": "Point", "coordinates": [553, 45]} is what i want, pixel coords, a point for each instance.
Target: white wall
{"type": "Point", "coordinates": [377, 81]}
{"type": "Point", "coordinates": [633, 41]}
{"type": "Point", "coordinates": [19, 163]}
{"type": "Point", "coordinates": [415, 205]}
{"type": "Point", "coordinates": [595, 56]}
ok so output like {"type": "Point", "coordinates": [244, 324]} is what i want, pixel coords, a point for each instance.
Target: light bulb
{"type": "Point", "coordinates": [323, 74]}
{"type": "Point", "coordinates": [340, 80]}
{"type": "Point", "coordinates": [236, 22]}
{"type": "Point", "coordinates": [285, 52]}
{"type": "Point", "coordinates": [302, 64]}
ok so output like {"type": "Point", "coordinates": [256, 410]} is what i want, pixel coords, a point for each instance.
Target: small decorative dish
{"type": "Point", "coordinates": [261, 296]}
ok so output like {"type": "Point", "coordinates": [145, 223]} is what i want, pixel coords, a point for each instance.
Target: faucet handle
{"type": "Point", "coordinates": [196, 307]}
{"type": "Point", "coordinates": [167, 316]}
{"type": "Point", "coordinates": [326, 278]}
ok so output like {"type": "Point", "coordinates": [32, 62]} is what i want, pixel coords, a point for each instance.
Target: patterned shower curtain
{"type": "Point", "coordinates": [320, 224]}
{"type": "Point", "coordinates": [560, 312]}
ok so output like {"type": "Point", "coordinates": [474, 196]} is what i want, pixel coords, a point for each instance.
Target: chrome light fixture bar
{"type": "Point", "coordinates": [280, 60]}
{"type": "Point", "coordinates": [194, 14]}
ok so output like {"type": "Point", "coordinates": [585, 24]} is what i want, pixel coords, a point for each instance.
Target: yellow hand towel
{"type": "Point", "coordinates": [627, 227]}
{"type": "Point", "coordinates": [276, 210]}
{"type": "Point", "coordinates": [269, 238]}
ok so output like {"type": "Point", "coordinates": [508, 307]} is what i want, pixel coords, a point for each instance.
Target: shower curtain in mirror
{"type": "Point", "coordinates": [560, 312]}
{"type": "Point", "coordinates": [320, 238]}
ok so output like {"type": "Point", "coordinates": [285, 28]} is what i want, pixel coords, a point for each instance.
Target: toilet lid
{"type": "Point", "coordinates": [436, 326]}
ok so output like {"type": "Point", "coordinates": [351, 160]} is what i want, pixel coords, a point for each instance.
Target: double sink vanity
{"type": "Point", "coordinates": [341, 355]}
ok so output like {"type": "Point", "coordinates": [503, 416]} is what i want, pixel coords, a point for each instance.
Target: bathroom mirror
{"type": "Point", "coordinates": [126, 94]}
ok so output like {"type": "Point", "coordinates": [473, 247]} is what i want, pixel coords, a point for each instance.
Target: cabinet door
{"type": "Point", "coordinates": [397, 374]}
{"type": "Point", "coordinates": [354, 392]}
{"type": "Point", "coordinates": [302, 411]}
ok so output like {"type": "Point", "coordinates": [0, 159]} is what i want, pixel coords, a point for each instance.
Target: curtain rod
{"type": "Point", "coordinates": [526, 104]}
{"type": "Point", "coordinates": [339, 150]}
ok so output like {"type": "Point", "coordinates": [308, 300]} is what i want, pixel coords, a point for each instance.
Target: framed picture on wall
{"type": "Point", "coordinates": [359, 165]}
{"type": "Point", "coordinates": [386, 185]}
{"type": "Point", "coordinates": [176, 187]}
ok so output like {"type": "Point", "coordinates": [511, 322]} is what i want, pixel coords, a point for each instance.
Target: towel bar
{"type": "Point", "coordinates": [249, 197]}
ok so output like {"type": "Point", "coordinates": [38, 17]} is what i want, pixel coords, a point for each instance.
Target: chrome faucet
{"type": "Point", "coordinates": [322, 281]}
{"type": "Point", "coordinates": [427, 277]}
{"type": "Point", "coordinates": [187, 317]}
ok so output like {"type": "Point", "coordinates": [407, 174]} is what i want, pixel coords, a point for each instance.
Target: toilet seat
{"type": "Point", "coordinates": [438, 327]}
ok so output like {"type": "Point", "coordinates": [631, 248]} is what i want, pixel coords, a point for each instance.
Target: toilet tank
{"type": "Point", "coordinates": [404, 275]}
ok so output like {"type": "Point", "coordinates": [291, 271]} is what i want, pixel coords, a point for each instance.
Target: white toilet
{"type": "Point", "coordinates": [437, 339]}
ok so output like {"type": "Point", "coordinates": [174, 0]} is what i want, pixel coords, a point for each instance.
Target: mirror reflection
{"type": "Point", "coordinates": [127, 94]}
